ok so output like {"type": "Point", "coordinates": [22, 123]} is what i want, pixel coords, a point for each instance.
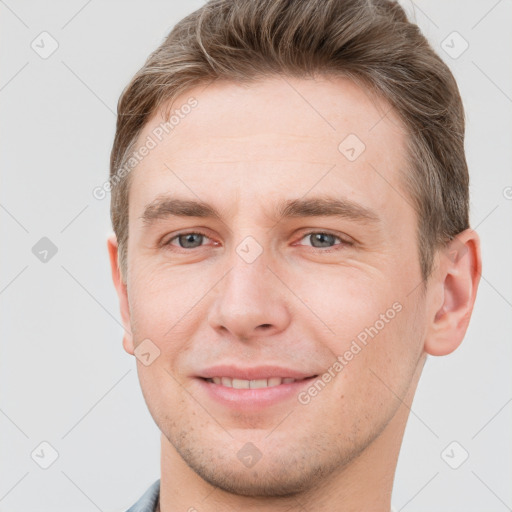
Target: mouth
{"type": "Point", "coordinates": [232, 382]}
{"type": "Point", "coordinates": [257, 392]}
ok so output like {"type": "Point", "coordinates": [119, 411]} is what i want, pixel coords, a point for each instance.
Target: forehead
{"type": "Point", "coordinates": [276, 137]}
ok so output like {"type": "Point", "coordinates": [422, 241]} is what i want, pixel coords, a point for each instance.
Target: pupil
{"type": "Point", "coordinates": [323, 238]}
{"type": "Point", "coordinates": [189, 240]}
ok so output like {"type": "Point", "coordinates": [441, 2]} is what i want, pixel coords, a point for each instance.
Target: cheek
{"type": "Point", "coordinates": [351, 306]}
{"type": "Point", "coordinates": [377, 339]}
{"type": "Point", "coordinates": [387, 352]}
{"type": "Point", "coordinates": [162, 301]}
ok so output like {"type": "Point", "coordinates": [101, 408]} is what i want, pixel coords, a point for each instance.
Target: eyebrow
{"type": "Point", "coordinates": [164, 207]}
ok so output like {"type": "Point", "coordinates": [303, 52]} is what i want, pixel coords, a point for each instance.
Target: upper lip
{"type": "Point", "coordinates": [252, 373]}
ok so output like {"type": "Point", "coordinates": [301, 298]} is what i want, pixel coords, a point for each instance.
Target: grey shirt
{"type": "Point", "coordinates": [147, 502]}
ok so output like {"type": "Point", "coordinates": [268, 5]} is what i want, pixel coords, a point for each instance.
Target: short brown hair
{"type": "Point", "coordinates": [369, 41]}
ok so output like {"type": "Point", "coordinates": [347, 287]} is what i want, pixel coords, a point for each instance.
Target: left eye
{"type": "Point", "coordinates": [320, 240]}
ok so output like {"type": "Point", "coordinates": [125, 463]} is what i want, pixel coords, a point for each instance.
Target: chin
{"type": "Point", "coordinates": [262, 482]}
{"type": "Point", "coordinates": [283, 470]}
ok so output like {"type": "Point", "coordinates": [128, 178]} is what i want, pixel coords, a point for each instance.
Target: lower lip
{"type": "Point", "coordinates": [253, 399]}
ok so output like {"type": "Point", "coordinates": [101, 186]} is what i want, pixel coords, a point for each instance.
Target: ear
{"type": "Point", "coordinates": [121, 289]}
{"type": "Point", "coordinates": [457, 278]}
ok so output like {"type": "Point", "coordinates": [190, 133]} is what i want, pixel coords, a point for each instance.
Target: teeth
{"type": "Point", "coordinates": [251, 384]}
{"type": "Point", "coordinates": [260, 383]}
{"type": "Point", "coordinates": [240, 384]}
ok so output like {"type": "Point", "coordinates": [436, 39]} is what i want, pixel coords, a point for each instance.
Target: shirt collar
{"type": "Point", "coordinates": [147, 502]}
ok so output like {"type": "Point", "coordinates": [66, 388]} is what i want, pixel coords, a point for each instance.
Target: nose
{"type": "Point", "coordinates": [250, 301]}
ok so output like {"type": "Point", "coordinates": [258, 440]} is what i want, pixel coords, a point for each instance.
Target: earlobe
{"type": "Point", "coordinates": [122, 293]}
{"type": "Point", "coordinates": [128, 343]}
{"type": "Point", "coordinates": [459, 273]}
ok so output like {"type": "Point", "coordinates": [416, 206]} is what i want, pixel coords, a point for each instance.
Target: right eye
{"type": "Point", "coordinates": [188, 240]}
{"type": "Point", "coordinates": [194, 239]}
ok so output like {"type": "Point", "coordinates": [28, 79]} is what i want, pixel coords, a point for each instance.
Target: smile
{"type": "Point", "coordinates": [230, 382]}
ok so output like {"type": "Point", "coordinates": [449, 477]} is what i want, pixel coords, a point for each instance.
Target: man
{"type": "Point", "coordinates": [290, 205]}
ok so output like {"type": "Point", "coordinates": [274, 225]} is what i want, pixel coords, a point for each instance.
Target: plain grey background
{"type": "Point", "coordinates": [65, 379]}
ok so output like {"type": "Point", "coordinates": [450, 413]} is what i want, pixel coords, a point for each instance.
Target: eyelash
{"type": "Point", "coordinates": [325, 249]}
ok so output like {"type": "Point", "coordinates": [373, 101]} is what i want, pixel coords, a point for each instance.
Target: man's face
{"type": "Point", "coordinates": [256, 295]}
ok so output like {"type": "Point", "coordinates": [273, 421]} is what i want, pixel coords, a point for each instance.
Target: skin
{"type": "Point", "coordinates": [300, 304]}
